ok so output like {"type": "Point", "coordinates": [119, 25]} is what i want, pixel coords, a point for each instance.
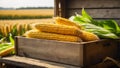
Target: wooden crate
{"type": "Point", "coordinates": [72, 53]}
{"type": "Point", "coordinates": [98, 9]}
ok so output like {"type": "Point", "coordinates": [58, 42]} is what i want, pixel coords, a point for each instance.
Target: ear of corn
{"type": "Point", "coordinates": [6, 30]}
{"type": "Point", "coordinates": [19, 28]}
{"type": "Point", "coordinates": [88, 36]}
{"type": "Point", "coordinates": [56, 28]}
{"type": "Point", "coordinates": [51, 36]}
{"type": "Point", "coordinates": [2, 30]}
{"type": "Point", "coordinates": [64, 21]}
{"type": "Point", "coordinates": [6, 51]}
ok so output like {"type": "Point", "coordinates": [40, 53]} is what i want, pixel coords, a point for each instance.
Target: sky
{"type": "Point", "coordinates": [26, 3]}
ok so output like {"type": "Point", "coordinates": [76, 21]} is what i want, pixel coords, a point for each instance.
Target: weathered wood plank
{"type": "Point", "coordinates": [57, 51]}
{"type": "Point", "coordinates": [72, 53]}
{"type": "Point", "coordinates": [97, 13]}
{"type": "Point", "coordinates": [0, 65]}
{"type": "Point", "coordinates": [63, 10]}
{"type": "Point", "coordinates": [56, 7]}
{"type": "Point", "coordinates": [107, 64]}
{"type": "Point", "coordinates": [100, 51]}
{"type": "Point", "coordinates": [93, 3]}
{"type": "Point", "coordinates": [32, 63]}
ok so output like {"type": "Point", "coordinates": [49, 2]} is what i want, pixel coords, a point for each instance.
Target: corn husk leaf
{"type": "Point", "coordinates": [104, 29]}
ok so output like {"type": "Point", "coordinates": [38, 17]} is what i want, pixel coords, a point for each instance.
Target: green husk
{"type": "Point", "coordinates": [102, 28]}
{"type": "Point", "coordinates": [7, 45]}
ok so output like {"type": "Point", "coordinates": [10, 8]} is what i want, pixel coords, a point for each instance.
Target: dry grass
{"type": "Point", "coordinates": [30, 12]}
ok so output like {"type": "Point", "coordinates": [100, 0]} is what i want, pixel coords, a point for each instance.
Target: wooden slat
{"type": "Point", "coordinates": [32, 63]}
{"type": "Point", "coordinates": [51, 50]}
{"type": "Point", "coordinates": [93, 3]}
{"type": "Point", "coordinates": [107, 64]}
{"type": "Point", "coordinates": [56, 7]}
{"type": "Point", "coordinates": [97, 13]}
{"type": "Point", "coordinates": [63, 9]}
{"type": "Point", "coordinates": [102, 50]}
{"type": "Point", "coordinates": [0, 65]}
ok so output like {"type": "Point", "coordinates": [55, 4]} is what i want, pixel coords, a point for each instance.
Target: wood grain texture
{"type": "Point", "coordinates": [32, 63]}
{"type": "Point", "coordinates": [79, 54]}
{"type": "Point", "coordinates": [97, 51]}
{"type": "Point", "coordinates": [93, 3]}
{"type": "Point", "coordinates": [51, 50]}
{"type": "Point", "coordinates": [97, 13]}
{"type": "Point", "coordinates": [0, 65]}
{"type": "Point", "coordinates": [56, 7]}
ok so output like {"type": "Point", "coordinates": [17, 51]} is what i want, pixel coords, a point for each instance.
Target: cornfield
{"type": "Point", "coordinates": [6, 29]}
{"type": "Point", "coordinates": [26, 14]}
{"type": "Point", "coordinates": [24, 19]}
{"type": "Point", "coordinates": [18, 27]}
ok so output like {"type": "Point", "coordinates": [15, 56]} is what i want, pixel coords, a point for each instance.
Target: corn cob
{"type": "Point", "coordinates": [29, 27]}
{"type": "Point", "coordinates": [2, 30]}
{"type": "Point", "coordinates": [6, 51]}
{"type": "Point", "coordinates": [56, 28]}
{"type": "Point", "coordinates": [19, 28]}
{"type": "Point", "coordinates": [26, 27]}
{"type": "Point", "coordinates": [51, 36]}
{"type": "Point", "coordinates": [64, 21]}
{"type": "Point", "coordinates": [8, 27]}
{"type": "Point", "coordinates": [88, 36]}
{"type": "Point", "coordinates": [7, 30]}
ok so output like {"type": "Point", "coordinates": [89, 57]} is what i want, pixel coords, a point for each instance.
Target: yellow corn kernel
{"type": "Point", "coordinates": [10, 27]}
{"type": "Point", "coordinates": [64, 21]}
{"type": "Point", "coordinates": [5, 30]}
{"type": "Point", "coordinates": [88, 36]}
{"type": "Point", "coordinates": [26, 27]}
{"type": "Point", "coordinates": [29, 26]}
{"type": "Point", "coordinates": [6, 51]}
{"type": "Point", "coordinates": [51, 36]}
{"type": "Point", "coordinates": [56, 28]}
{"type": "Point", "coordinates": [2, 30]}
{"type": "Point", "coordinates": [19, 29]}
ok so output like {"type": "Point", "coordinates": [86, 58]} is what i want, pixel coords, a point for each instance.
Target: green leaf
{"type": "Point", "coordinates": [101, 32]}
{"type": "Point", "coordinates": [11, 39]}
{"type": "Point", "coordinates": [14, 31]}
{"type": "Point", "coordinates": [22, 31]}
{"type": "Point", "coordinates": [4, 46]}
{"type": "Point", "coordinates": [86, 15]}
{"type": "Point", "coordinates": [110, 25]}
{"type": "Point", "coordinates": [99, 28]}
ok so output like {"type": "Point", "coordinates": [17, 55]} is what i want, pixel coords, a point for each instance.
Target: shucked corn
{"type": "Point", "coordinates": [51, 36]}
{"type": "Point", "coordinates": [56, 28]}
{"type": "Point", "coordinates": [88, 36]}
{"type": "Point", "coordinates": [64, 21]}
{"type": "Point", "coordinates": [84, 35]}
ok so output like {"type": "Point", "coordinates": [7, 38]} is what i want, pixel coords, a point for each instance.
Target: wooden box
{"type": "Point", "coordinates": [98, 9]}
{"type": "Point", "coordinates": [72, 53]}
{"type": "Point", "coordinates": [78, 54]}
